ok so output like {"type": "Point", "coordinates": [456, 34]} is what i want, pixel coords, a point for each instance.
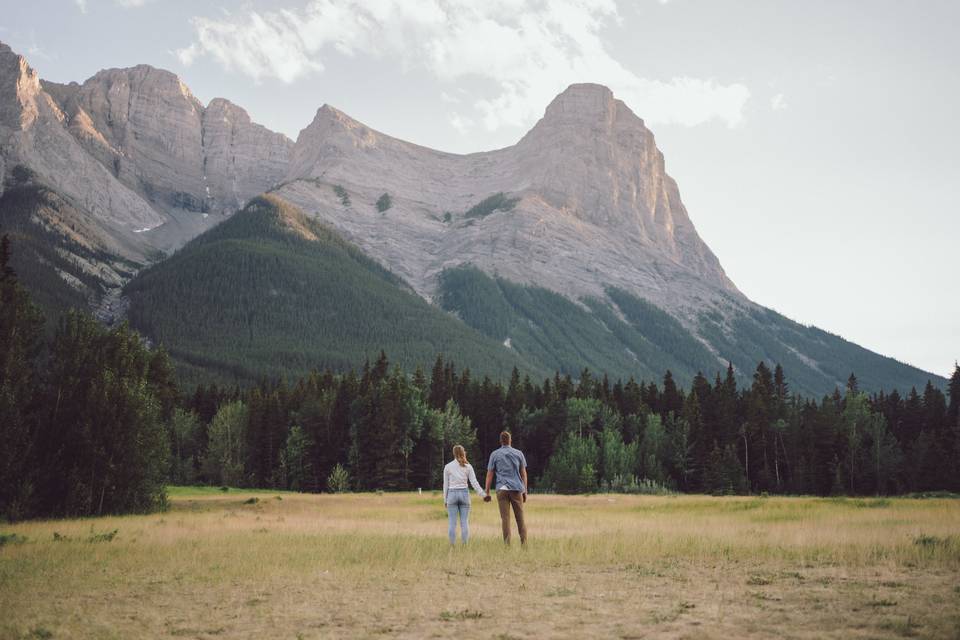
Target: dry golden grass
{"type": "Point", "coordinates": [600, 566]}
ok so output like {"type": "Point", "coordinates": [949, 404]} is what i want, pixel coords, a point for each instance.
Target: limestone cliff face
{"type": "Point", "coordinates": [592, 156]}
{"type": "Point", "coordinates": [146, 126]}
{"type": "Point", "coordinates": [594, 207]}
{"type": "Point", "coordinates": [241, 158]}
{"type": "Point", "coordinates": [33, 134]}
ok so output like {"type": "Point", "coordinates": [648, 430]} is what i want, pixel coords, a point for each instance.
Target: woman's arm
{"type": "Point", "coordinates": [446, 484]}
{"type": "Point", "coordinates": [473, 481]}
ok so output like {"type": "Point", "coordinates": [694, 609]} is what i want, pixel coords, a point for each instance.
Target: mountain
{"type": "Point", "coordinates": [569, 249]}
{"type": "Point", "coordinates": [590, 205]}
{"type": "Point", "coordinates": [100, 178]}
{"type": "Point", "coordinates": [273, 293]}
{"type": "Point", "coordinates": [574, 244]}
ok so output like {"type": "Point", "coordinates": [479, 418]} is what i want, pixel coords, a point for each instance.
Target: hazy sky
{"type": "Point", "coordinates": [815, 143]}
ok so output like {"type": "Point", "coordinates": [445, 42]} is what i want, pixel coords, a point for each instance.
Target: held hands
{"type": "Point", "coordinates": [487, 498]}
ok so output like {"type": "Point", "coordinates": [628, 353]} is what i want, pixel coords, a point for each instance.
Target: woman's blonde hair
{"type": "Point", "coordinates": [460, 454]}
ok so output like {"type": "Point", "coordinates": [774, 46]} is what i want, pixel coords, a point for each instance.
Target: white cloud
{"type": "Point", "coordinates": [778, 103]}
{"type": "Point", "coordinates": [130, 4]}
{"type": "Point", "coordinates": [81, 4]}
{"type": "Point", "coordinates": [529, 51]}
{"type": "Point", "coordinates": [462, 124]}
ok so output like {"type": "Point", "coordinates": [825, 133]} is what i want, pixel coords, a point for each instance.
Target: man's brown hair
{"type": "Point", "coordinates": [505, 438]}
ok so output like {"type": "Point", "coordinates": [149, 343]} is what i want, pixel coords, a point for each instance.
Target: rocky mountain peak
{"type": "Point", "coordinates": [584, 103]}
{"type": "Point", "coordinates": [144, 78]}
{"type": "Point", "coordinates": [591, 156]}
{"type": "Point", "coordinates": [327, 140]}
{"type": "Point", "coordinates": [19, 87]}
{"type": "Point", "coordinates": [330, 121]}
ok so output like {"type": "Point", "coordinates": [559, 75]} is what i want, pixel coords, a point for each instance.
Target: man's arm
{"type": "Point", "coordinates": [489, 481]}
{"type": "Point", "coordinates": [523, 476]}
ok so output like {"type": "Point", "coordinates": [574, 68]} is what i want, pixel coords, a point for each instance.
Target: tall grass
{"type": "Point", "coordinates": [219, 556]}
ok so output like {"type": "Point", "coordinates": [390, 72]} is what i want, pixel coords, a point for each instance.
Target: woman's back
{"type": "Point", "coordinates": [457, 475]}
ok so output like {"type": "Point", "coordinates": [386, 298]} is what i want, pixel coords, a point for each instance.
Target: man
{"type": "Point", "coordinates": [510, 467]}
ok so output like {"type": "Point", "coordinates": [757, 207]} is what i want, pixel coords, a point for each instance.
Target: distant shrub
{"type": "Point", "coordinates": [103, 537]}
{"type": "Point", "coordinates": [384, 202]}
{"type": "Point", "coordinates": [497, 202]}
{"type": "Point", "coordinates": [11, 538]}
{"type": "Point", "coordinates": [447, 217]}
{"type": "Point", "coordinates": [924, 540]}
{"type": "Point", "coordinates": [342, 194]}
{"type": "Point", "coordinates": [466, 614]}
{"type": "Point", "coordinates": [339, 480]}
{"type": "Point", "coordinates": [107, 536]}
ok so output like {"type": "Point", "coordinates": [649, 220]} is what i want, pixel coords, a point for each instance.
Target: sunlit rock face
{"type": "Point", "coordinates": [34, 135]}
{"type": "Point", "coordinates": [135, 150]}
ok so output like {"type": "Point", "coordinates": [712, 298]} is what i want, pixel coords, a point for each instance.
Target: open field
{"type": "Point", "coordinates": [324, 566]}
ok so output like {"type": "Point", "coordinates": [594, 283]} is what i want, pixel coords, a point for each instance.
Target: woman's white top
{"type": "Point", "coordinates": [457, 477]}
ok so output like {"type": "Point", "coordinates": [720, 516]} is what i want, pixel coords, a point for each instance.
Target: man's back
{"type": "Point", "coordinates": [507, 463]}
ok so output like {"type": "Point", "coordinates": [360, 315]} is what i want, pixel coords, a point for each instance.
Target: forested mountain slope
{"type": "Point", "coordinates": [273, 293]}
{"type": "Point", "coordinates": [624, 335]}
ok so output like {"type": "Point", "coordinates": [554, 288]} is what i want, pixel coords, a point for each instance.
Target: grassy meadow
{"type": "Point", "coordinates": [258, 564]}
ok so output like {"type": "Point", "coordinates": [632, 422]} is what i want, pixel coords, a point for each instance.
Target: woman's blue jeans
{"type": "Point", "coordinates": [458, 505]}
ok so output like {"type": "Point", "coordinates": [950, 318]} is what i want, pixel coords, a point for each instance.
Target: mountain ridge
{"type": "Point", "coordinates": [580, 206]}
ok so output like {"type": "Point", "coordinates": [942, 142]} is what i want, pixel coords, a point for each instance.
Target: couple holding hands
{"type": "Point", "coordinates": [510, 468]}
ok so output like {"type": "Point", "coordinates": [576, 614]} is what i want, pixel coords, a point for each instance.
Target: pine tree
{"type": "Point", "coordinates": [21, 332]}
{"type": "Point", "coordinates": [439, 393]}
{"type": "Point", "coordinates": [953, 390]}
{"type": "Point", "coordinates": [162, 381]}
{"type": "Point", "coordinates": [853, 386]}
{"type": "Point", "coordinates": [670, 399]}
{"type": "Point", "coordinates": [953, 427]}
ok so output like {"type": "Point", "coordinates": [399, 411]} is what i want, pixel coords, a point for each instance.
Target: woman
{"type": "Point", "coordinates": [457, 476]}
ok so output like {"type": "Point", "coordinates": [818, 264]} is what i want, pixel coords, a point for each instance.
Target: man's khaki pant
{"type": "Point", "coordinates": [506, 499]}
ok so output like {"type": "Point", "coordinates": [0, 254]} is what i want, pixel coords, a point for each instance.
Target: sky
{"type": "Point", "coordinates": [814, 142]}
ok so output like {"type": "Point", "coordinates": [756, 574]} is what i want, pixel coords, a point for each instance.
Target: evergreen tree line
{"type": "Point", "coordinates": [384, 429]}
{"type": "Point", "coordinates": [83, 413]}
{"type": "Point", "coordinates": [92, 422]}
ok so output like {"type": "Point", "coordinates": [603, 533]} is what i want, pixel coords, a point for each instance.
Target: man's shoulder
{"type": "Point", "coordinates": [496, 454]}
